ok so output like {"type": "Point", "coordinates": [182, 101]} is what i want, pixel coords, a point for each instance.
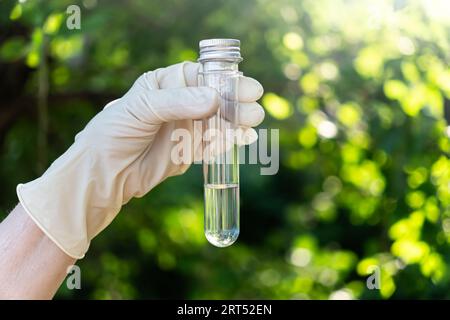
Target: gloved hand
{"type": "Point", "coordinates": [123, 152]}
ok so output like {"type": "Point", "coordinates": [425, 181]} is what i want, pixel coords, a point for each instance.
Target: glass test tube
{"type": "Point", "coordinates": [219, 59]}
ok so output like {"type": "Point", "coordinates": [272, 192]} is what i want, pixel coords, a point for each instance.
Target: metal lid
{"type": "Point", "coordinates": [220, 49]}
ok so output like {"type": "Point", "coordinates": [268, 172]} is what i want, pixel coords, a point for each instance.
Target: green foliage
{"type": "Point", "coordinates": [358, 90]}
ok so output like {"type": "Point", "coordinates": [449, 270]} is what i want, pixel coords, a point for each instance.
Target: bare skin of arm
{"type": "Point", "coordinates": [31, 265]}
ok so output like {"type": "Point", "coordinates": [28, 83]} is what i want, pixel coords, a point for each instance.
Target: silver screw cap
{"type": "Point", "coordinates": [220, 49]}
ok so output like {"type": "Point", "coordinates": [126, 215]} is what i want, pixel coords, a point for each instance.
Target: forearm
{"type": "Point", "coordinates": [31, 265]}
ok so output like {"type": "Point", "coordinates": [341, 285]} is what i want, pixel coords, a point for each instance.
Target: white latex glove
{"type": "Point", "coordinates": [123, 152]}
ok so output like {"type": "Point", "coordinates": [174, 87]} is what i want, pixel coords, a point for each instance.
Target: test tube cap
{"type": "Point", "coordinates": [220, 49]}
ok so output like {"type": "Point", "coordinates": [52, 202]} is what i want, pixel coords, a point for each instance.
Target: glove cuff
{"type": "Point", "coordinates": [77, 252]}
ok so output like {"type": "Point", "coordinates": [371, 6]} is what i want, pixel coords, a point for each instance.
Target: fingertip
{"type": "Point", "coordinates": [211, 97]}
{"type": "Point", "coordinates": [259, 88]}
{"type": "Point", "coordinates": [250, 89]}
{"type": "Point", "coordinates": [251, 114]}
{"type": "Point", "coordinates": [247, 136]}
{"type": "Point", "coordinates": [191, 73]}
{"type": "Point", "coordinates": [260, 114]}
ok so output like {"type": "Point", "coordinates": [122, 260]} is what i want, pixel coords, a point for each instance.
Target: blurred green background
{"type": "Point", "coordinates": [359, 90]}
